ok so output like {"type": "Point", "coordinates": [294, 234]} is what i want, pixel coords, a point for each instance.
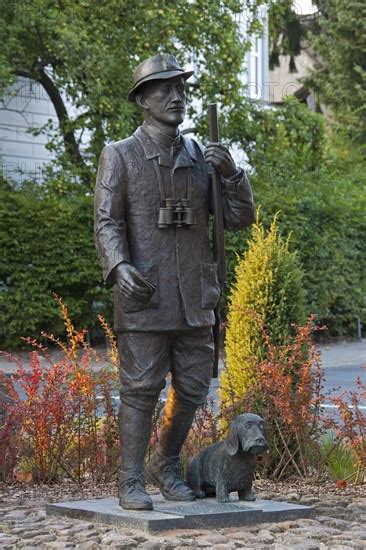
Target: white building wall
{"type": "Point", "coordinates": [257, 61]}
{"type": "Point", "coordinates": [258, 78]}
{"type": "Point", "coordinates": [25, 106]}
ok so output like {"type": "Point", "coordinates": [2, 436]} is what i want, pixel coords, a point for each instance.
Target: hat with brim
{"type": "Point", "coordinates": [158, 67]}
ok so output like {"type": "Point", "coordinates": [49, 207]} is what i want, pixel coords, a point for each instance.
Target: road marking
{"type": "Point", "coordinates": [329, 406]}
{"type": "Point", "coordinates": [322, 405]}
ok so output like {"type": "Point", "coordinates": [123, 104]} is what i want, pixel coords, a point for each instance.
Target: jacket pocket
{"type": "Point", "coordinates": [210, 288]}
{"type": "Point", "coordinates": [150, 272]}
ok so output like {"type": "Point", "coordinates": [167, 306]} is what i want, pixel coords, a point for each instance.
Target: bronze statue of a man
{"type": "Point", "coordinates": [152, 206]}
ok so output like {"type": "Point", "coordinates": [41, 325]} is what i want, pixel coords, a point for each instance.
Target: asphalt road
{"type": "Point", "coordinates": [342, 364]}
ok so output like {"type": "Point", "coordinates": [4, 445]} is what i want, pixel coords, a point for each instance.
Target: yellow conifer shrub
{"type": "Point", "coordinates": [267, 292]}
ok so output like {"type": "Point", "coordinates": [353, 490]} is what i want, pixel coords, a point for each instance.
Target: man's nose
{"type": "Point", "coordinates": [176, 97]}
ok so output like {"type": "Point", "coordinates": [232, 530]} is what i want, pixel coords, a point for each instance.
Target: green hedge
{"type": "Point", "coordinates": [317, 184]}
{"type": "Point", "coordinates": [326, 214]}
{"type": "Point", "coordinates": [47, 247]}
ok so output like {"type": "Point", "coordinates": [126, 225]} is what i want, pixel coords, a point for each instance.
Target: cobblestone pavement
{"type": "Point", "coordinates": [339, 524]}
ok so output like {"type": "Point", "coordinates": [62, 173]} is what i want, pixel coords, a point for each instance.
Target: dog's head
{"type": "Point", "coordinates": [247, 431]}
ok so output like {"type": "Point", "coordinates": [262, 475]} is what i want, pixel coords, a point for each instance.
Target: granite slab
{"type": "Point", "coordinates": [169, 515]}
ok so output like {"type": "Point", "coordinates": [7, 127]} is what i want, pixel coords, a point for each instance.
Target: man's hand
{"type": "Point", "coordinates": [132, 283]}
{"type": "Point", "coordinates": [220, 157]}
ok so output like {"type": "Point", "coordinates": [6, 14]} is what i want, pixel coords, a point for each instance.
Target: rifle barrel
{"type": "Point", "coordinates": [218, 222]}
{"type": "Point", "coordinates": [218, 232]}
{"type": "Point", "coordinates": [213, 122]}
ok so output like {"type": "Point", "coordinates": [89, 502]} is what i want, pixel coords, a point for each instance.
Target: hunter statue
{"type": "Point", "coordinates": [152, 207]}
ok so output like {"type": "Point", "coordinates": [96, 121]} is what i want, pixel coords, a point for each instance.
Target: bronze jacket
{"type": "Point", "coordinates": [178, 260]}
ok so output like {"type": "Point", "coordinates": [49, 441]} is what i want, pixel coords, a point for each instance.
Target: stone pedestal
{"type": "Point", "coordinates": [203, 513]}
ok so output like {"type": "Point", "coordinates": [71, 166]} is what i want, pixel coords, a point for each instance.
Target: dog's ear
{"type": "Point", "coordinates": [232, 439]}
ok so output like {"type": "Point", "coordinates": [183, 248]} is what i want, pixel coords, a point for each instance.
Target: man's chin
{"type": "Point", "coordinates": [175, 118]}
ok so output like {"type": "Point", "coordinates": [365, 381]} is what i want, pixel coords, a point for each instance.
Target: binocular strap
{"type": "Point", "coordinates": [161, 184]}
{"type": "Point", "coordinates": [160, 180]}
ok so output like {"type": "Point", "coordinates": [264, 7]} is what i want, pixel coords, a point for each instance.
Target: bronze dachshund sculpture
{"type": "Point", "coordinates": [229, 465]}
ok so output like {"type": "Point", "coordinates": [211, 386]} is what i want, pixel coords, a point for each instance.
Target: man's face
{"type": "Point", "coordinates": [165, 100]}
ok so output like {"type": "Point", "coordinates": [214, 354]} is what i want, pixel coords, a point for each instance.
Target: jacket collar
{"type": "Point", "coordinates": [160, 138]}
{"type": "Point", "coordinates": [186, 155]}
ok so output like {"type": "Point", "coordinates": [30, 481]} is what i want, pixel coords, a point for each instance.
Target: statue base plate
{"type": "Point", "coordinates": [167, 515]}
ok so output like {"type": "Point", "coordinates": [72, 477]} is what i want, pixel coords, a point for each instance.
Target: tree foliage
{"type": "Point", "coordinates": [339, 38]}
{"type": "Point", "coordinates": [336, 35]}
{"type": "Point", "coordinates": [83, 54]}
{"type": "Point", "coordinates": [285, 33]}
{"type": "Point", "coordinates": [288, 142]}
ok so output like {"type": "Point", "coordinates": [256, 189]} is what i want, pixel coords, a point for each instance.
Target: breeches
{"type": "Point", "coordinates": [146, 358]}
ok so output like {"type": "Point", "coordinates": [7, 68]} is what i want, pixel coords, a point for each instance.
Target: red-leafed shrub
{"type": "Point", "coordinates": [59, 419]}
{"type": "Point", "coordinates": [286, 392]}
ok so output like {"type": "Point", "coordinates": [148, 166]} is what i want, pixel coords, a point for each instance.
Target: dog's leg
{"type": "Point", "coordinates": [247, 494]}
{"type": "Point", "coordinates": [194, 478]}
{"type": "Point", "coordinates": [222, 493]}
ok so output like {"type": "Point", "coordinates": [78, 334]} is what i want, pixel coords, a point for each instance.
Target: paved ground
{"type": "Point", "coordinates": [339, 524]}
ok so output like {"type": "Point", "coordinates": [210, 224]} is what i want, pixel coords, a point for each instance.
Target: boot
{"type": "Point", "coordinates": [163, 472]}
{"type": "Point", "coordinates": [163, 468]}
{"type": "Point", "coordinates": [134, 428]}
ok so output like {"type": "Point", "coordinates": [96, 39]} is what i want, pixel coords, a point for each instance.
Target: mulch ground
{"type": "Point", "coordinates": [21, 493]}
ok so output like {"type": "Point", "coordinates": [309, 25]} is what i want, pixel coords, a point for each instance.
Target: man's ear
{"type": "Point", "coordinates": [141, 101]}
{"type": "Point", "coordinates": [232, 440]}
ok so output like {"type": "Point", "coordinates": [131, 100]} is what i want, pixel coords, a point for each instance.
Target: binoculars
{"type": "Point", "coordinates": [176, 212]}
